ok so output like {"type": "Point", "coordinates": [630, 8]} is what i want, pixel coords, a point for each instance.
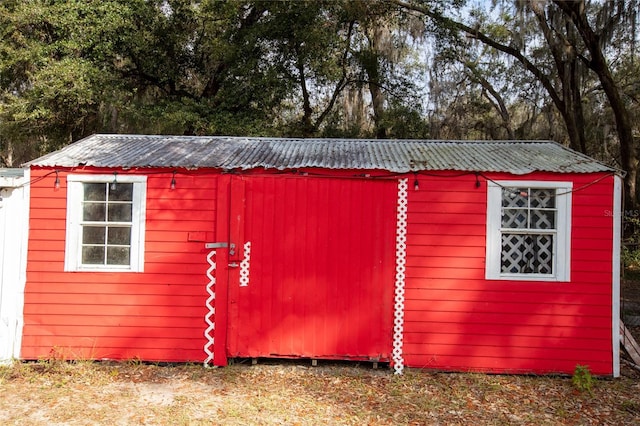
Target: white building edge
{"type": "Point", "coordinates": [14, 228]}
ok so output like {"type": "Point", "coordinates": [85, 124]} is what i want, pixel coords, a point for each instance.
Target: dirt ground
{"type": "Point", "coordinates": [53, 392]}
{"type": "Point", "coordinates": [85, 393]}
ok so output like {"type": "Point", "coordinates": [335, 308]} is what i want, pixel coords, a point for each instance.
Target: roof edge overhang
{"type": "Point", "coordinates": [390, 155]}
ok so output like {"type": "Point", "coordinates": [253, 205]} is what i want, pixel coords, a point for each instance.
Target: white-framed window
{"type": "Point", "coordinates": [528, 230]}
{"type": "Point", "coordinates": [105, 223]}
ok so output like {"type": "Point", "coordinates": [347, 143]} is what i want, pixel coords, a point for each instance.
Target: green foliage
{"type": "Point", "coordinates": [582, 379]}
{"type": "Point", "coordinates": [631, 261]}
{"type": "Point", "coordinates": [69, 68]}
{"type": "Point", "coordinates": [345, 68]}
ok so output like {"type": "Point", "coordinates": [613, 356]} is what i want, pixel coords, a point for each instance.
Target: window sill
{"type": "Point", "coordinates": [104, 269]}
{"type": "Point", "coordinates": [527, 277]}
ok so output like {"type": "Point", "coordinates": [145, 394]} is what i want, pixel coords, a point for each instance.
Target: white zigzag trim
{"type": "Point", "coordinates": [210, 316]}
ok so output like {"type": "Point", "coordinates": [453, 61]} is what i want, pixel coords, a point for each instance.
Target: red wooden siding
{"type": "Point", "coordinates": [456, 320]}
{"type": "Point", "coordinates": [321, 276]}
{"type": "Point", "coordinates": [321, 271]}
{"type": "Point", "coordinates": [154, 315]}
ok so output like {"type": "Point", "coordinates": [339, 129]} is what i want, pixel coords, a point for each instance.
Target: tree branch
{"type": "Point", "coordinates": [480, 36]}
{"type": "Point", "coordinates": [342, 83]}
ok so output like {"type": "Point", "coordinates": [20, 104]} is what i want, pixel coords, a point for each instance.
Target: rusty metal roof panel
{"type": "Point", "coordinates": [398, 156]}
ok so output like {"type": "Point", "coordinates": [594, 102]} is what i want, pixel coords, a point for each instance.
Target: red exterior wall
{"type": "Point", "coordinates": [456, 320]}
{"type": "Point", "coordinates": [155, 315]}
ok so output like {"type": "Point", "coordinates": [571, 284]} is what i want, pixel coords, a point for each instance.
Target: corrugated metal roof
{"type": "Point", "coordinates": [398, 156]}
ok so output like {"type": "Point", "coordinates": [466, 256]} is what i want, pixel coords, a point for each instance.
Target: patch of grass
{"type": "Point", "coordinates": [582, 379]}
{"type": "Point", "coordinates": [630, 406]}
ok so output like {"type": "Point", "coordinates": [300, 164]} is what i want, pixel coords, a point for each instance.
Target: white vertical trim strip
{"type": "Point", "coordinates": [401, 262]}
{"type": "Point", "coordinates": [24, 249]}
{"type": "Point", "coordinates": [615, 279]}
{"type": "Point", "coordinates": [14, 235]}
{"type": "Point", "coordinates": [493, 243]}
{"type": "Point", "coordinates": [244, 265]}
{"type": "Point", "coordinates": [209, 318]}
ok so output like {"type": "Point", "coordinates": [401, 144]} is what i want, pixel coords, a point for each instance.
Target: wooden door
{"type": "Point", "coordinates": [314, 272]}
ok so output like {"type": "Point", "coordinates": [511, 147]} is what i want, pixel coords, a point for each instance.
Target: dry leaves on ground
{"type": "Point", "coordinates": [85, 393]}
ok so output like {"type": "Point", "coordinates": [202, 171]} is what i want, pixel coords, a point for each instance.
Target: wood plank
{"type": "Point", "coordinates": [509, 329]}
{"type": "Point", "coordinates": [194, 322]}
{"type": "Point", "coordinates": [508, 341]}
{"type": "Point", "coordinates": [629, 343]}
{"type": "Point", "coordinates": [519, 287]}
{"type": "Point", "coordinates": [578, 356]}
{"type": "Point", "coordinates": [500, 364]}
{"type": "Point", "coordinates": [465, 317]}
{"type": "Point", "coordinates": [516, 296]}
{"type": "Point", "coordinates": [522, 308]}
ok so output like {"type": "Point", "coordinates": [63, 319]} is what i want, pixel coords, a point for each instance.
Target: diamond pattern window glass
{"type": "Point", "coordinates": [528, 227]}
{"type": "Point", "coordinates": [528, 230]}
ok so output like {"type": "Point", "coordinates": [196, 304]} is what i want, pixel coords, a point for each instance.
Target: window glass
{"type": "Point", "coordinates": [117, 255]}
{"type": "Point", "coordinates": [527, 254]}
{"type": "Point", "coordinates": [121, 192]}
{"type": "Point", "coordinates": [107, 203]}
{"type": "Point", "coordinates": [95, 192]}
{"type": "Point", "coordinates": [93, 234]}
{"type": "Point", "coordinates": [527, 210]}
{"type": "Point", "coordinates": [94, 212]}
{"type": "Point", "coordinates": [119, 212]}
{"type": "Point", "coordinates": [119, 235]}
{"type": "Point", "coordinates": [93, 255]}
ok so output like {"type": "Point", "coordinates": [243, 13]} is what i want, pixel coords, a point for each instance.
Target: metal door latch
{"type": "Point", "coordinates": [216, 245]}
{"type": "Point", "coordinates": [232, 247]}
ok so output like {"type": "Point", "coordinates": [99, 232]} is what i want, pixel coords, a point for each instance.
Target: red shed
{"type": "Point", "coordinates": [499, 256]}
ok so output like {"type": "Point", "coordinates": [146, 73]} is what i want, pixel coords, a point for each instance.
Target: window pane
{"type": "Point", "coordinates": [92, 255]}
{"type": "Point", "coordinates": [117, 255]}
{"type": "Point", "coordinates": [121, 192]}
{"type": "Point", "coordinates": [543, 198]}
{"type": "Point", "coordinates": [527, 254]}
{"type": "Point", "coordinates": [544, 252]}
{"type": "Point", "coordinates": [95, 191]}
{"type": "Point", "coordinates": [515, 197]}
{"type": "Point", "coordinates": [93, 234]}
{"type": "Point", "coordinates": [543, 219]}
{"type": "Point", "coordinates": [514, 218]}
{"type": "Point", "coordinates": [94, 212]}
{"type": "Point", "coordinates": [119, 236]}
{"type": "Point", "coordinates": [120, 212]}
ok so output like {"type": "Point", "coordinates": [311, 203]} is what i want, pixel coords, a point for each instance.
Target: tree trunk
{"type": "Point", "coordinates": [305, 122]}
{"type": "Point", "coordinates": [497, 101]}
{"type": "Point", "coordinates": [7, 156]}
{"type": "Point", "coordinates": [371, 65]}
{"type": "Point", "coordinates": [575, 9]}
{"type": "Point", "coordinates": [563, 51]}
